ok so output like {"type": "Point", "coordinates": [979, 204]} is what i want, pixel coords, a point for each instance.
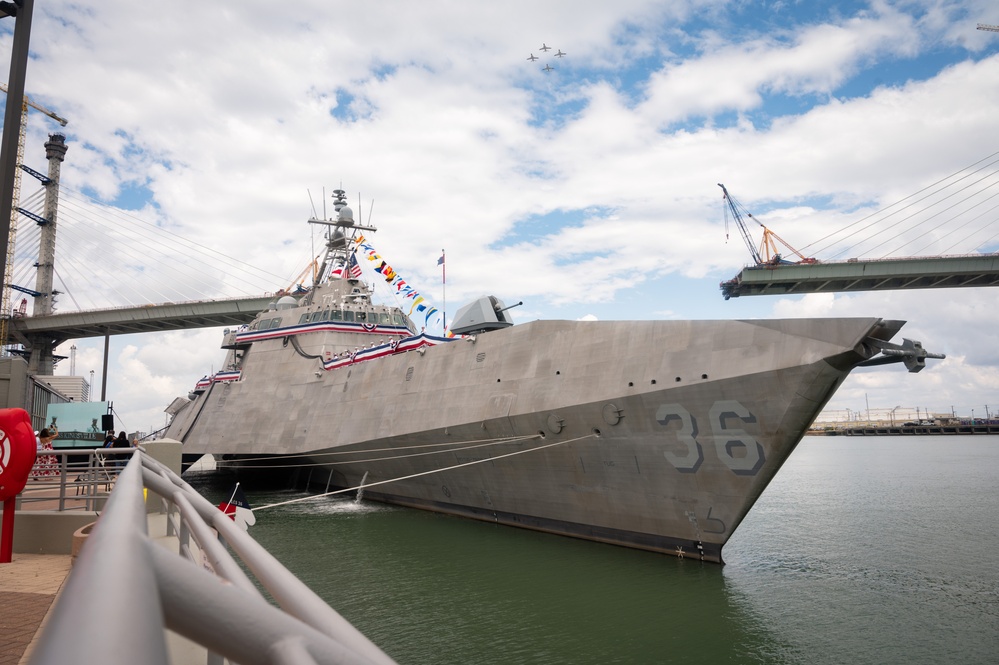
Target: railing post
{"type": "Point", "coordinates": [62, 482]}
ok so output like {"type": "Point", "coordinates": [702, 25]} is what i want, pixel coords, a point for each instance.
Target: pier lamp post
{"type": "Point", "coordinates": [972, 416]}
{"type": "Point", "coordinates": [893, 415]}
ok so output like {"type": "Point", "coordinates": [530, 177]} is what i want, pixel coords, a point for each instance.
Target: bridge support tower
{"type": "Point", "coordinates": [41, 359]}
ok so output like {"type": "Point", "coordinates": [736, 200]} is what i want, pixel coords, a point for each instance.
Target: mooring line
{"type": "Point", "coordinates": [493, 442]}
{"type": "Point", "coordinates": [510, 439]}
{"type": "Point", "coordinates": [422, 473]}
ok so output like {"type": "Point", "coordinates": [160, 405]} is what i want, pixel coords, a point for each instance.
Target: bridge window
{"type": "Point", "coordinates": [384, 317]}
{"type": "Point", "coordinates": [348, 315]}
{"type": "Point", "coordinates": [361, 316]}
{"type": "Point", "coordinates": [317, 316]}
{"type": "Point", "coordinates": [397, 318]}
{"type": "Point", "coordinates": [336, 315]}
{"type": "Point", "coordinates": [305, 318]}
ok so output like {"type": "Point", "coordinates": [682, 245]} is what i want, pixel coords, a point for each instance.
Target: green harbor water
{"type": "Point", "coordinates": [862, 550]}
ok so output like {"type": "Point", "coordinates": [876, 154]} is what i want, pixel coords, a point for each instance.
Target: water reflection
{"type": "Point", "coordinates": [861, 550]}
{"type": "Point", "coordinates": [876, 550]}
{"type": "Point", "coordinates": [430, 588]}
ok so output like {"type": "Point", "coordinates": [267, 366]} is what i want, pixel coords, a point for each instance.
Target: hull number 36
{"type": "Point", "coordinates": [735, 447]}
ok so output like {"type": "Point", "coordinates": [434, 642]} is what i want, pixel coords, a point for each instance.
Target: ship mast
{"type": "Point", "coordinates": [337, 235]}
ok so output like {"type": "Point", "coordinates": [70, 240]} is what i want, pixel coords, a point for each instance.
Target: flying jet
{"type": "Point", "coordinates": [532, 57]}
{"type": "Point", "coordinates": [545, 47]}
{"type": "Point", "coordinates": [548, 68]}
{"type": "Point", "coordinates": [559, 54]}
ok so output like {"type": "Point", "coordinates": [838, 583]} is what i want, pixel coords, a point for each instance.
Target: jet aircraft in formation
{"type": "Point", "coordinates": [545, 47]}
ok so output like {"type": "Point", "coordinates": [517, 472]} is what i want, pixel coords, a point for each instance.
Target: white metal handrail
{"type": "Point", "coordinates": [124, 577]}
{"type": "Point", "coordinates": [79, 479]}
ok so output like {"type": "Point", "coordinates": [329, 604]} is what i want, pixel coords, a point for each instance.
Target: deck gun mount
{"type": "Point", "coordinates": [482, 315]}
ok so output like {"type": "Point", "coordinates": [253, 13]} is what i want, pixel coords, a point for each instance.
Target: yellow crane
{"type": "Point", "coordinates": [297, 281]}
{"type": "Point", "coordinates": [768, 253]}
{"type": "Point", "coordinates": [5, 312]}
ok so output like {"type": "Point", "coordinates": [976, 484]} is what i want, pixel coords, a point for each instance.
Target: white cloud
{"type": "Point", "coordinates": [232, 119]}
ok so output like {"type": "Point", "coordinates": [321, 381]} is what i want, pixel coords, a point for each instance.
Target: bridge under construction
{"type": "Point", "coordinates": [774, 273]}
{"type": "Point", "coordinates": [944, 272]}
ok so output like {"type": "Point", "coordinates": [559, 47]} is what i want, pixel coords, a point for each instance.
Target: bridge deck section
{"type": "Point", "coordinates": [148, 318]}
{"type": "Point", "coordinates": [863, 275]}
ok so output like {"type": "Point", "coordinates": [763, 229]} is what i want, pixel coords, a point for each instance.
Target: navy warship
{"type": "Point", "coordinates": [658, 435]}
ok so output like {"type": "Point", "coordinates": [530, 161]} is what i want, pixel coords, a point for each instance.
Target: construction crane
{"type": "Point", "coordinates": [990, 28]}
{"type": "Point", "coordinates": [297, 282]}
{"type": "Point", "coordinates": [767, 254]}
{"type": "Point", "coordinates": [5, 312]}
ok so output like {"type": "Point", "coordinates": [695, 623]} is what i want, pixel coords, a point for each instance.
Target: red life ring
{"type": "Point", "coordinates": [17, 451]}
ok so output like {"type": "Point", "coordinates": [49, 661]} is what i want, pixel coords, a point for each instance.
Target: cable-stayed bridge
{"type": "Point", "coordinates": [959, 212]}
{"type": "Point", "coordinates": [124, 257]}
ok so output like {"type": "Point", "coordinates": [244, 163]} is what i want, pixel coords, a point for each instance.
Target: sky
{"type": "Point", "coordinates": [201, 141]}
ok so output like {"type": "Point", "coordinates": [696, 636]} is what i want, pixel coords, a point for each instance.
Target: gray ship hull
{"type": "Point", "coordinates": [659, 435]}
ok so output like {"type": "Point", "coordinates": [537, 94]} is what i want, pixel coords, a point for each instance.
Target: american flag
{"type": "Point", "coordinates": [353, 270]}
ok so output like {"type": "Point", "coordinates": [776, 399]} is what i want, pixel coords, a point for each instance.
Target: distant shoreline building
{"type": "Point", "coordinates": [76, 388]}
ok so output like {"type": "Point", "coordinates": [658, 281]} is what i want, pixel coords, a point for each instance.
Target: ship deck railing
{"type": "Point", "coordinates": [157, 563]}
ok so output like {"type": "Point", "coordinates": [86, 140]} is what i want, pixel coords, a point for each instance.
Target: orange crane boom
{"type": "Point", "coordinates": [768, 252]}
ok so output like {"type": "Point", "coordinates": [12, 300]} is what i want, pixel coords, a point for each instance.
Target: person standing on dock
{"type": "Point", "coordinates": [121, 442]}
{"type": "Point", "coordinates": [45, 465]}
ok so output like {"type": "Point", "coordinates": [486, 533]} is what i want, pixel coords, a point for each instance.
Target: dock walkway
{"type": "Point", "coordinates": [28, 586]}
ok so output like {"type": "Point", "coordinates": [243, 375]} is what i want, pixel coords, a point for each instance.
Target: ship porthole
{"type": "Point", "coordinates": [704, 376]}
{"type": "Point", "coordinates": [678, 379]}
{"type": "Point", "coordinates": [596, 432]}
